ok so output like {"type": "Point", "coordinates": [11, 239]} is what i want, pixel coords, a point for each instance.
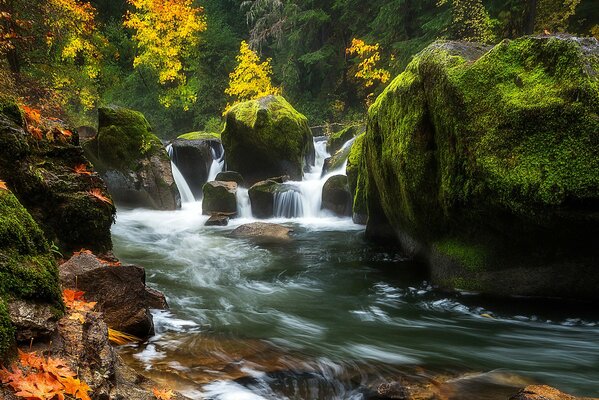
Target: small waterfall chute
{"type": "Point", "coordinates": [184, 189]}
{"type": "Point", "coordinates": [218, 161]}
{"type": "Point", "coordinates": [288, 203]}
{"type": "Point", "coordinates": [244, 207]}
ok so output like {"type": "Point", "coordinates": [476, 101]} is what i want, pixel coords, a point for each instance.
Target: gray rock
{"type": "Point", "coordinates": [336, 196]}
{"type": "Point", "coordinates": [32, 320]}
{"type": "Point", "coordinates": [261, 232]}
{"type": "Point", "coordinates": [220, 198]}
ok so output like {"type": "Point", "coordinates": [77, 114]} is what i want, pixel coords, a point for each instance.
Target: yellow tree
{"type": "Point", "coordinates": [165, 32]}
{"type": "Point", "coordinates": [251, 79]}
{"type": "Point", "coordinates": [369, 57]}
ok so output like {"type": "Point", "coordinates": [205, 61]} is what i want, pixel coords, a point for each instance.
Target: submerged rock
{"type": "Point", "coordinates": [132, 161]}
{"type": "Point", "coordinates": [230, 176]}
{"type": "Point", "coordinates": [262, 232]}
{"type": "Point", "coordinates": [542, 392]}
{"type": "Point", "coordinates": [120, 291]}
{"type": "Point", "coordinates": [484, 163]}
{"type": "Point", "coordinates": [194, 158]}
{"type": "Point", "coordinates": [217, 220]}
{"type": "Point", "coordinates": [220, 198]}
{"type": "Point", "coordinates": [267, 137]}
{"type": "Point", "coordinates": [336, 196]}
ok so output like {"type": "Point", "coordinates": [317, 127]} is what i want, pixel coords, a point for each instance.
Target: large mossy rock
{"type": "Point", "coordinates": [337, 139]}
{"type": "Point", "coordinates": [28, 272]}
{"type": "Point", "coordinates": [132, 160]}
{"type": "Point", "coordinates": [193, 158]}
{"type": "Point", "coordinates": [336, 196]}
{"type": "Point", "coordinates": [484, 161]}
{"type": "Point", "coordinates": [267, 137]}
{"type": "Point", "coordinates": [48, 172]}
{"type": "Point", "coordinates": [220, 198]}
{"type": "Point", "coordinates": [356, 181]}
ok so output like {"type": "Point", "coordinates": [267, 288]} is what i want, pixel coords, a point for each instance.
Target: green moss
{"type": "Point", "coordinates": [461, 283]}
{"type": "Point", "coordinates": [7, 331]}
{"type": "Point", "coordinates": [10, 108]}
{"type": "Point", "coordinates": [266, 137]}
{"type": "Point", "coordinates": [353, 162]}
{"type": "Point", "coordinates": [200, 136]}
{"type": "Point", "coordinates": [124, 136]}
{"type": "Point", "coordinates": [472, 257]}
{"type": "Point", "coordinates": [337, 140]}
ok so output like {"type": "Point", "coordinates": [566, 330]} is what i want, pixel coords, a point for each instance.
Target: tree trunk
{"type": "Point", "coordinates": [531, 17]}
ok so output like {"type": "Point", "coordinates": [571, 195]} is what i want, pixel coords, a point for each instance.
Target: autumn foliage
{"type": "Point", "coordinates": [97, 193]}
{"type": "Point", "coordinates": [3, 185]}
{"type": "Point", "coordinates": [163, 394]}
{"type": "Point", "coordinates": [369, 56]}
{"type": "Point", "coordinates": [37, 378]}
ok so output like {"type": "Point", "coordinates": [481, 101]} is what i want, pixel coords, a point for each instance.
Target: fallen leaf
{"type": "Point", "coordinates": [97, 193]}
{"type": "Point", "coordinates": [3, 185]}
{"type": "Point", "coordinates": [81, 169]}
{"type": "Point", "coordinates": [30, 360]}
{"type": "Point", "coordinates": [163, 394]}
{"type": "Point", "coordinates": [82, 251]}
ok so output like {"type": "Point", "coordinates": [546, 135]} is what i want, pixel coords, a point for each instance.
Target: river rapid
{"type": "Point", "coordinates": [330, 316]}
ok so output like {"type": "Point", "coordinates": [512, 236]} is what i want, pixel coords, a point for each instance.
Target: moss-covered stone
{"type": "Point", "coordinates": [356, 181]}
{"type": "Point", "coordinates": [262, 197]}
{"type": "Point", "coordinates": [7, 331]}
{"type": "Point", "coordinates": [220, 198]}
{"type": "Point", "coordinates": [132, 160]}
{"type": "Point", "coordinates": [200, 136]}
{"type": "Point", "coordinates": [267, 137]}
{"type": "Point", "coordinates": [337, 139]}
{"type": "Point", "coordinates": [336, 196]}
{"type": "Point", "coordinates": [493, 150]}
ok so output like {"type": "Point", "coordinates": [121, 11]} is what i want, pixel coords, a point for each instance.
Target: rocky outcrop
{"type": "Point", "coordinates": [132, 161]}
{"type": "Point", "coordinates": [484, 163]}
{"type": "Point", "coordinates": [336, 140]}
{"type": "Point", "coordinates": [220, 198]}
{"type": "Point", "coordinates": [542, 392]}
{"type": "Point", "coordinates": [194, 158]}
{"type": "Point", "coordinates": [267, 137]}
{"type": "Point", "coordinates": [43, 164]}
{"type": "Point", "coordinates": [120, 292]}
{"type": "Point", "coordinates": [262, 196]}
{"type": "Point", "coordinates": [230, 176]}
{"type": "Point", "coordinates": [336, 161]}
{"type": "Point", "coordinates": [336, 196]}
{"type": "Point", "coordinates": [263, 233]}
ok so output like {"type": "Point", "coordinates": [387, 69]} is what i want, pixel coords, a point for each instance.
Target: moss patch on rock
{"type": "Point", "coordinates": [200, 136]}
{"type": "Point", "coordinates": [494, 148]}
{"type": "Point", "coordinates": [267, 137]}
{"type": "Point", "coordinates": [337, 139]}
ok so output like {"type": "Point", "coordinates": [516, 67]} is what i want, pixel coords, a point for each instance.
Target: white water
{"type": "Point", "coordinates": [218, 163]}
{"type": "Point", "coordinates": [184, 190]}
{"type": "Point", "coordinates": [244, 208]}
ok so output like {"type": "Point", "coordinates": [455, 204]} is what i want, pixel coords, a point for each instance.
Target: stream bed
{"type": "Point", "coordinates": [330, 316]}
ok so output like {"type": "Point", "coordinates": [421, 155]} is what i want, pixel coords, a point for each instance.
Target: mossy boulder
{"type": "Point", "coordinates": [336, 196]}
{"type": "Point", "coordinates": [484, 162]}
{"type": "Point", "coordinates": [132, 160]}
{"type": "Point", "coordinates": [200, 136]}
{"type": "Point", "coordinates": [55, 182]}
{"type": "Point", "coordinates": [262, 196]}
{"type": "Point", "coordinates": [27, 269]}
{"type": "Point", "coordinates": [267, 137]}
{"type": "Point", "coordinates": [356, 181]}
{"type": "Point", "coordinates": [220, 198]}
{"type": "Point", "coordinates": [193, 158]}
{"type": "Point", "coordinates": [337, 139]}
{"type": "Point", "coordinates": [230, 176]}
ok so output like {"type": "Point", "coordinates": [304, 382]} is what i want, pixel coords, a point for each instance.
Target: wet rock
{"type": "Point", "coordinates": [336, 140]}
{"type": "Point", "coordinates": [336, 161]}
{"type": "Point", "coordinates": [267, 137]}
{"type": "Point", "coordinates": [261, 232]}
{"type": "Point", "coordinates": [32, 320]}
{"type": "Point", "coordinates": [220, 198]}
{"type": "Point", "coordinates": [217, 220]}
{"type": "Point", "coordinates": [336, 196]}
{"type": "Point", "coordinates": [120, 292]}
{"type": "Point", "coordinates": [194, 158]}
{"type": "Point", "coordinates": [230, 176]}
{"type": "Point", "coordinates": [542, 392]}
{"type": "Point", "coordinates": [262, 196]}
{"type": "Point", "coordinates": [132, 161]}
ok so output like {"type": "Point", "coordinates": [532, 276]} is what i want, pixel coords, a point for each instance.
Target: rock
{"type": "Point", "coordinates": [28, 276]}
{"type": "Point", "coordinates": [267, 137]}
{"type": "Point", "coordinates": [120, 292]}
{"type": "Point", "coordinates": [335, 162]}
{"type": "Point", "coordinates": [484, 164]}
{"type": "Point", "coordinates": [230, 176]}
{"type": "Point", "coordinates": [336, 196]}
{"type": "Point", "coordinates": [262, 196]}
{"type": "Point", "coordinates": [336, 140]}
{"type": "Point", "coordinates": [43, 174]}
{"type": "Point", "coordinates": [132, 161]}
{"type": "Point", "coordinates": [200, 136]}
{"type": "Point", "coordinates": [86, 132]}
{"type": "Point", "coordinates": [542, 392]}
{"type": "Point", "coordinates": [356, 181]}
{"type": "Point", "coordinates": [194, 158]}
{"type": "Point", "coordinates": [263, 233]}
{"type": "Point", "coordinates": [217, 220]}
{"type": "Point", "coordinates": [220, 197]}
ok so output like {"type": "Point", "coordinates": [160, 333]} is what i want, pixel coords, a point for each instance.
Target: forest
{"type": "Point", "coordinates": [173, 60]}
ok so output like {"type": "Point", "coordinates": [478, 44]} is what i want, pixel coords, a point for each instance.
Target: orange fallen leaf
{"type": "Point", "coordinates": [83, 251]}
{"type": "Point", "coordinates": [3, 185]}
{"type": "Point", "coordinates": [163, 394]}
{"type": "Point", "coordinates": [109, 263]}
{"type": "Point", "coordinates": [97, 193]}
{"type": "Point", "coordinates": [65, 132]}
{"type": "Point", "coordinates": [76, 387]}
{"type": "Point", "coordinates": [30, 360]}
{"type": "Point", "coordinates": [81, 169]}
{"type": "Point", "coordinates": [74, 301]}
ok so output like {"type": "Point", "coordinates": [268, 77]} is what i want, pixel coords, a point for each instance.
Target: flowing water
{"type": "Point", "coordinates": [330, 316]}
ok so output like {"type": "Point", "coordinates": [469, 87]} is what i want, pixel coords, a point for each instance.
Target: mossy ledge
{"type": "Point", "coordinates": [484, 162]}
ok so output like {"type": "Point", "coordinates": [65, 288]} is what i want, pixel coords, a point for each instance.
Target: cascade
{"type": "Point", "coordinates": [289, 204]}
{"type": "Point", "coordinates": [218, 161]}
{"type": "Point", "coordinates": [244, 208]}
{"type": "Point", "coordinates": [184, 190]}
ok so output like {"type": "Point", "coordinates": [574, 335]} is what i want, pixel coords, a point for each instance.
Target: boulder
{"type": "Point", "coordinates": [336, 196]}
{"type": "Point", "coordinates": [230, 176]}
{"type": "Point", "coordinates": [194, 158]}
{"type": "Point", "coordinates": [336, 161]}
{"type": "Point", "coordinates": [267, 137]}
{"type": "Point", "coordinates": [262, 196]}
{"type": "Point", "coordinates": [484, 164]}
{"type": "Point", "coordinates": [336, 140]}
{"type": "Point", "coordinates": [542, 392]}
{"type": "Point", "coordinates": [356, 181]}
{"type": "Point", "coordinates": [32, 320]}
{"type": "Point", "coordinates": [220, 197]}
{"type": "Point", "coordinates": [263, 233]}
{"type": "Point", "coordinates": [55, 182]}
{"type": "Point", "coordinates": [132, 160]}
{"type": "Point", "coordinates": [217, 220]}
{"type": "Point", "coordinates": [120, 291]}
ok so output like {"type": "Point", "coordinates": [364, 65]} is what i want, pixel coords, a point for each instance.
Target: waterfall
{"type": "Point", "coordinates": [288, 204]}
{"type": "Point", "coordinates": [218, 161]}
{"type": "Point", "coordinates": [244, 208]}
{"type": "Point", "coordinates": [184, 190]}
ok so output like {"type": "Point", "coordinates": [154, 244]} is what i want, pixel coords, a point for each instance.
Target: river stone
{"type": "Point", "coordinates": [267, 137]}
{"type": "Point", "coordinates": [217, 220]}
{"type": "Point", "coordinates": [484, 164]}
{"type": "Point", "coordinates": [121, 292]}
{"type": "Point", "coordinates": [336, 140]}
{"type": "Point", "coordinates": [230, 176]}
{"type": "Point", "coordinates": [132, 160]}
{"type": "Point", "coordinates": [262, 197]}
{"type": "Point", "coordinates": [262, 232]}
{"type": "Point", "coordinates": [336, 196]}
{"type": "Point", "coordinates": [32, 320]}
{"type": "Point", "coordinates": [220, 198]}
{"type": "Point", "coordinates": [542, 392]}
{"type": "Point", "coordinates": [194, 158]}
